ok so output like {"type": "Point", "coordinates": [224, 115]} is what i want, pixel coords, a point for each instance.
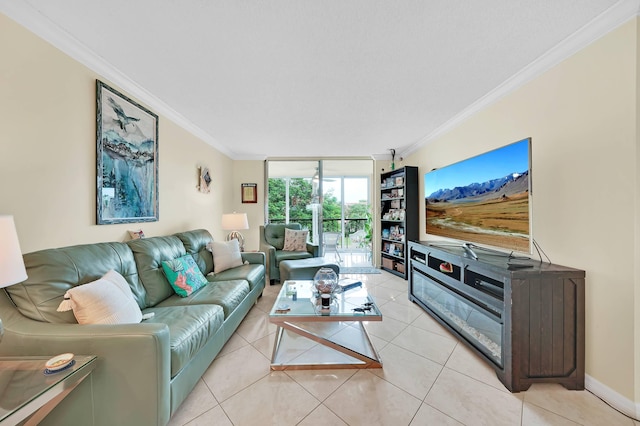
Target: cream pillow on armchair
{"type": "Point", "coordinates": [295, 240]}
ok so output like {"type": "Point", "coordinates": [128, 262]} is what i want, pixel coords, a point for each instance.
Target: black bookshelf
{"type": "Point", "coordinates": [399, 216]}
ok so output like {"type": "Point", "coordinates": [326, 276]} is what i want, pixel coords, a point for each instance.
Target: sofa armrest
{"type": "Point", "coordinates": [270, 252]}
{"type": "Point", "coordinates": [131, 381]}
{"type": "Point", "coordinates": [268, 249]}
{"type": "Point", "coordinates": [256, 257]}
{"type": "Point", "coordinates": [314, 249]}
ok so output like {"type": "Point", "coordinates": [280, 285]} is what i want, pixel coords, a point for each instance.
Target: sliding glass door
{"type": "Point", "coordinates": [347, 208]}
{"type": "Point", "coordinates": [330, 198]}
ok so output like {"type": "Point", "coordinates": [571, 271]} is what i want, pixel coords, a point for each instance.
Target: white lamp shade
{"type": "Point", "coordinates": [234, 221]}
{"type": "Point", "coordinates": [12, 268]}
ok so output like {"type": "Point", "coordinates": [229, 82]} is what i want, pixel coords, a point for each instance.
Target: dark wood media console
{"type": "Point", "coordinates": [524, 317]}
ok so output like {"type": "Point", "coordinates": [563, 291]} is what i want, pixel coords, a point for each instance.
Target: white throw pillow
{"type": "Point", "coordinates": [226, 255]}
{"type": "Point", "coordinates": [108, 300]}
{"type": "Point", "coordinates": [295, 240]}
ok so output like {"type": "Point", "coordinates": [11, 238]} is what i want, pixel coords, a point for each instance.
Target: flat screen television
{"type": "Point", "coordinates": [484, 200]}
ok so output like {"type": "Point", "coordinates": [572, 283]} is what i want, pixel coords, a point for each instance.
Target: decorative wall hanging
{"type": "Point", "coordinates": [205, 180]}
{"type": "Point", "coordinates": [127, 159]}
{"type": "Point", "coordinates": [249, 192]}
{"type": "Point", "coordinates": [136, 235]}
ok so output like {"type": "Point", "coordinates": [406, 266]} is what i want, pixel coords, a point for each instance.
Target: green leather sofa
{"type": "Point", "coordinates": [144, 371]}
{"type": "Point", "coordinates": [272, 243]}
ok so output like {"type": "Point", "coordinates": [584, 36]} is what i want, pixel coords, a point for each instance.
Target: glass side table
{"type": "Point", "coordinates": [27, 393]}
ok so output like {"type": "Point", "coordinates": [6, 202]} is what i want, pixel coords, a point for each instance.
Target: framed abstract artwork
{"type": "Point", "coordinates": [127, 159]}
{"type": "Point", "coordinates": [249, 192]}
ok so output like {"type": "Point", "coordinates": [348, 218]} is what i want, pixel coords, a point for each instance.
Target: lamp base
{"type": "Point", "coordinates": [235, 235]}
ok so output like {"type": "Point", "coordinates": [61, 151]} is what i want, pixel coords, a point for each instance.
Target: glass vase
{"type": "Point", "coordinates": [325, 281]}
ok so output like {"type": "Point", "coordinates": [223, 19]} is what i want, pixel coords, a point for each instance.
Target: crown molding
{"type": "Point", "coordinates": [598, 27]}
{"type": "Point", "coordinates": [380, 157]}
{"type": "Point", "coordinates": [30, 18]}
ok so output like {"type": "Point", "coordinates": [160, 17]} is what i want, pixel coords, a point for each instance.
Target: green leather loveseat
{"type": "Point", "coordinates": [144, 371]}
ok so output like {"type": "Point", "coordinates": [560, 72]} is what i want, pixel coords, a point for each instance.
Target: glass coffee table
{"type": "Point", "coordinates": [301, 321]}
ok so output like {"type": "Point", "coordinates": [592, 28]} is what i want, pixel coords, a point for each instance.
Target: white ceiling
{"type": "Point", "coordinates": [318, 78]}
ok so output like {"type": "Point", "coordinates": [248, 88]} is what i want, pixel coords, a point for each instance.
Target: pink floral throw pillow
{"type": "Point", "coordinates": [295, 240]}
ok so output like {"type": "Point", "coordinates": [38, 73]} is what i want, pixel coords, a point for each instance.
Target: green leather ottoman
{"type": "Point", "coordinates": [304, 269]}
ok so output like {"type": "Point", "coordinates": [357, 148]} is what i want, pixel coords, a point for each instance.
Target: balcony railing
{"type": "Point", "coordinates": [351, 226]}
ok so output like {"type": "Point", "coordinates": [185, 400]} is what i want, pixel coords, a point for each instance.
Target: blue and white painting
{"type": "Point", "coordinates": [127, 150]}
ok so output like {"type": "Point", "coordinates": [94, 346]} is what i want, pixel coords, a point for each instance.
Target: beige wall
{"type": "Point", "coordinates": [582, 118]}
{"type": "Point", "coordinates": [249, 172]}
{"type": "Point", "coordinates": [48, 154]}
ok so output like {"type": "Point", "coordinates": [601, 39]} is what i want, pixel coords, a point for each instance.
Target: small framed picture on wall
{"type": "Point", "coordinates": [249, 192]}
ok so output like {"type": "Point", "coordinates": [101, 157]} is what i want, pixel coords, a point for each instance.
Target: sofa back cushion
{"type": "Point", "coordinates": [195, 243]}
{"type": "Point", "coordinates": [149, 253]}
{"type": "Point", "coordinates": [52, 272]}
{"type": "Point", "coordinates": [274, 233]}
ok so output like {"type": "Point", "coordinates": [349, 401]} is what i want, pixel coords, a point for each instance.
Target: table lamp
{"type": "Point", "coordinates": [234, 222]}
{"type": "Point", "coordinates": [12, 270]}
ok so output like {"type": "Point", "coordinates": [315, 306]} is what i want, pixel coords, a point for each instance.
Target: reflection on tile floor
{"type": "Point", "coordinates": [428, 378]}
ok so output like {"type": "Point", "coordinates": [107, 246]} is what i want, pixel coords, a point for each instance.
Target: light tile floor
{"type": "Point", "coordinates": [428, 378]}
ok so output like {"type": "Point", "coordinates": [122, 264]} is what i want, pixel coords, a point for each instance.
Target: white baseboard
{"type": "Point", "coordinates": [613, 398]}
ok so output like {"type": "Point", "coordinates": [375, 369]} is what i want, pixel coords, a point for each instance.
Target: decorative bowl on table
{"type": "Point", "coordinates": [325, 285]}
{"type": "Point", "coordinates": [325, 281]}
{"type": "Point", "coordinates": [59, 362]}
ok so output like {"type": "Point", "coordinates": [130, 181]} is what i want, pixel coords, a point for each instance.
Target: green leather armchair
{"type": "Point", "coordinates": [272, 243]}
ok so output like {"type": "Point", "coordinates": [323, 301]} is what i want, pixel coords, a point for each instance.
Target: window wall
{"type": "Point", "coordinates": [332, 195]}
{"type": "Point", "coordinates": [293, 194]}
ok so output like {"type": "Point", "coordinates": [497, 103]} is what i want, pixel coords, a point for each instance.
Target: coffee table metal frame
{"type": "Point", "coordinates": [305, 310]}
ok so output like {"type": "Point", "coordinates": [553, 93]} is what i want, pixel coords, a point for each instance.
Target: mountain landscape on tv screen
{"type": "Point", "coordinates": [495, 212]}
{"type": "Point", "coordinates": [511, 184]}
